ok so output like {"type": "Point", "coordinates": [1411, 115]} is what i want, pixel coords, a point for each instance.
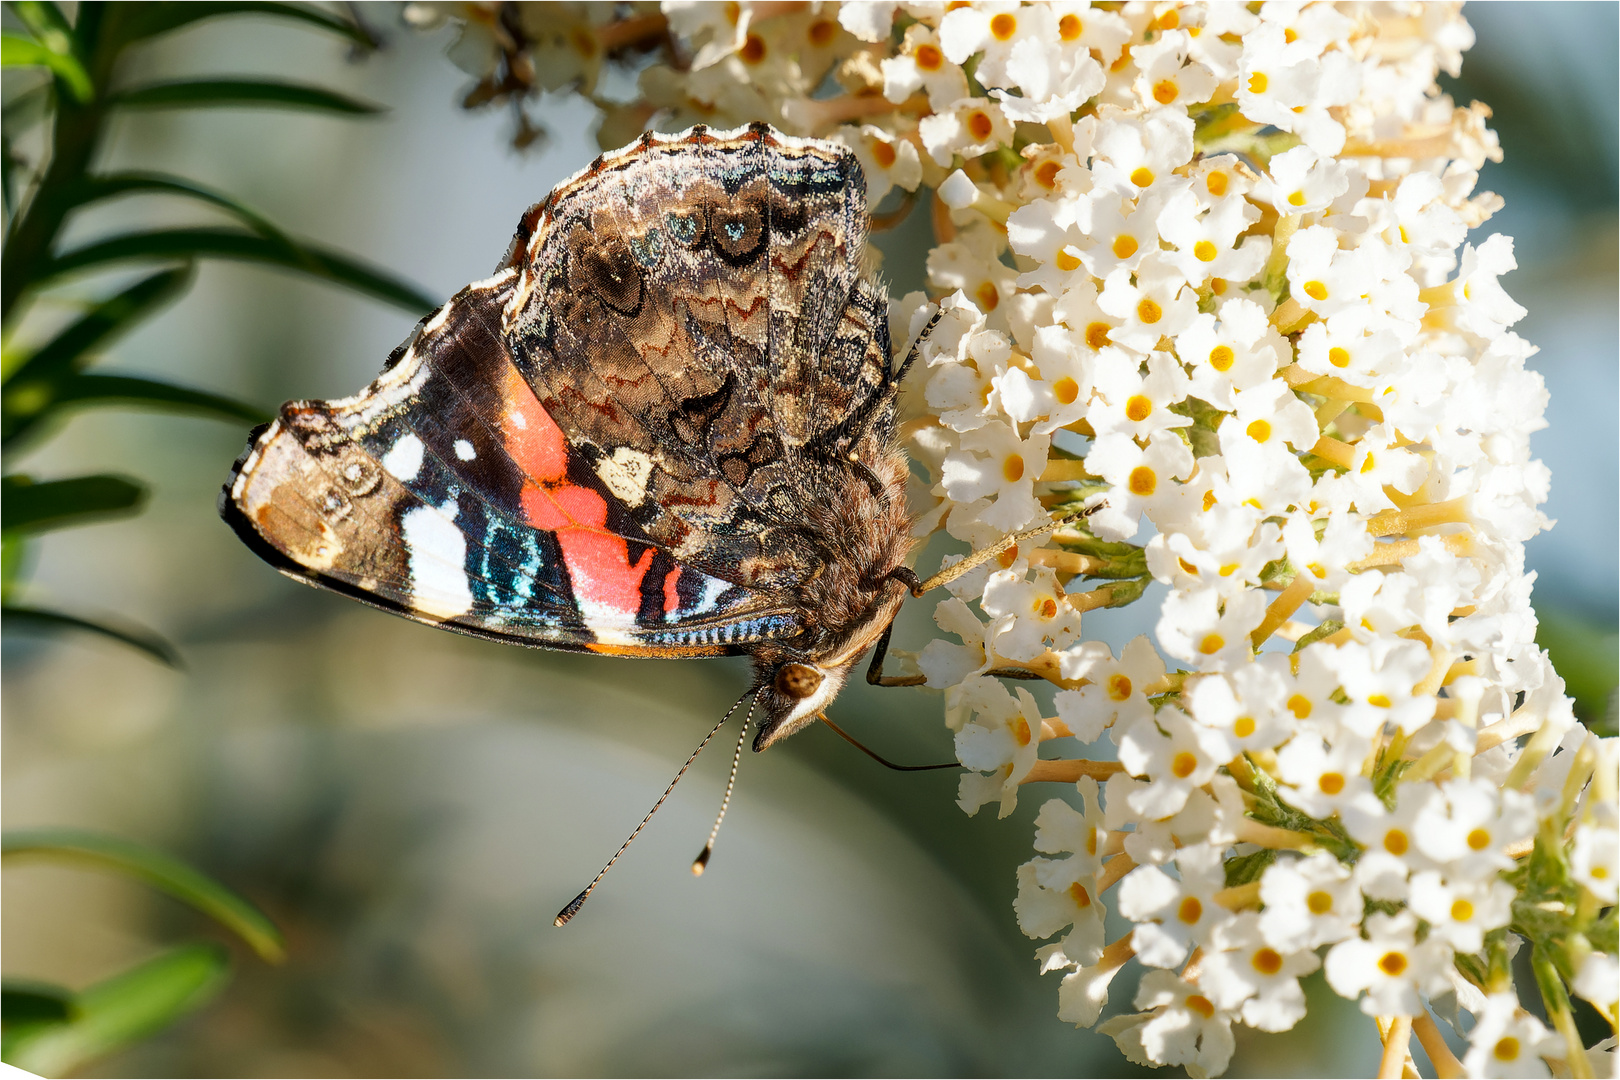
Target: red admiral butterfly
{"type": "Point", "coordinates": [665, 427]}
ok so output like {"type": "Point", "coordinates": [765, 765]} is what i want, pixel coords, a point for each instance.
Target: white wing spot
{"type": "Point", "coordinates": [437, 552]}
{"type": "Point", "coordinates": [517, 418]}
{"type": "Point", "coordinates": [464, 450]}
{"type": "Point", "coordinates": [404, 458]}
{"type": "Point", "coordinates": [626, 474]}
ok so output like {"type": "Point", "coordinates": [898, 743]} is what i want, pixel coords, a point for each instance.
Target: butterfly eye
{"type": "Point", "coordinates": [797, 681]}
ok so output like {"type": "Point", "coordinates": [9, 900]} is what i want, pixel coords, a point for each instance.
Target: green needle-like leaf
{"type": "Point", "coordinates": [27, 1001]}
{"type": "Point", "coordinates": [226, 244]}
{"type": "Point", "coordinates": [68, 351]}
{"type": "Point", "coordinates": [158, 869]}
{"type": "Point", "coordinates": [123, 390]}
{"type": "Point", "coordinates": [18, 51]}
{"type": "Point", "coordinates": [97, 188]}
{"type": "Point", "coordinates": [239, 93]}
{"type": "Point", "coordinates": [26, 506]}
{"type": "Point", "coordinates": [149, 20]}
{"type": "Point", "coordinates": [40, 620]}
{"type": "Point", "coordinates": [126, 1007]}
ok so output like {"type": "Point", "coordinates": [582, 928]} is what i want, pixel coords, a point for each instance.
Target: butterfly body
{"type": "Point", "coordinates": [664, 427]}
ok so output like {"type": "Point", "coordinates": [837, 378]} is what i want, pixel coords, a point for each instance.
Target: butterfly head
{"type": "Point", "coordinates": [792, 694]}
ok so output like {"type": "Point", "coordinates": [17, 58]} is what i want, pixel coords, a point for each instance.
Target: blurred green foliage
{"type": "Point", "coordinates": [71, 74]}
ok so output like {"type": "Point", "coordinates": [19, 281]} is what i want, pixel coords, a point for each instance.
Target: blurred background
{"type": "Point", "coordinates": [412, 808]}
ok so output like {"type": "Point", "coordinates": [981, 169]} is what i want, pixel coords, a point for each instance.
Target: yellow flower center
{"type": "Point", "coordinates": [1201, 1005]}
{"type": "Point", "coordinates": [1258, 83]}
{"type": "Point", "coordinates": [1204, 251]}
{"type": "Point", "coordinates": [1070, 27]}
{"type": "Point", "coordinates": [1396, 842]}
{"type": "Point", "coordinates": [1165, 91]}
{"type": "Point", "coordinates": [1243, 727]}
{"type": "Point", "coordinates": [1506, 1049]}
{"type": "Point", "coordinates": [822, 31]}
{"type": "Point", "coordinates": [1392, 963]}
{"type": "Point", "coordinates": [1065, 261]}
{"type": "Point", "coordinates": [1013, 468]}
{"type": "Point", "coordinates": [1330, 783]}
{"type": "Point", "coordinates": [1066, 390]}
{"type": "Point", "coordinates": [1003, 26]}
{"type": "Point", "coordinates": [1212, 644]}
{"type": "Point", "coordinates": [1319, 902]}
{"type": "Point", "coordinates": [1183, 765]}
{"type": "Point", "coordinates": [1142, 176]}
{"type": "Point", "coordinates": [1297, 199]}
{"type": "Point", "coordinates": [1124, 246]}
{"type": "Point", "coordinates": [1267, 961]}
{"type": "Point", "coordinates": [1221, 358]}
{"type": "Point", "coordinates": [1046, 174]}
{"type": "Point", "coordinates": [928, 57]}
{"type": "Point", "coordinates": [883, 153]}
{"type": "Point", "coordinates": [1190, 910]}
{"type": "Point", "coordinates": [1339, 357]}
{"type": "Point", "coordinates": [979, 125]}
{"type": "Point", "coordinates": [1461, 910]}
{"type": "Point", "coordinates": [753, 50]}
{"type": "Point", "coordinates": [1119, 686]}
{"type": "Point", "coordinates": [987, 296]}
{"type": "Point", "coordinates": [1316, 290]}
{"type": "Point", "coordinates": [1142, 481]}
{"type": "Point", "coordinates": [1300, 706]}
{"type": "Point", "coordinates": [1138, 408]}
{"type": "Point", "coordinates": [1149, 311]}
{"type": "Point", "coordinates": [1081, 898]}
{"type": "Point", "coordinates": [1215, 183]}
{"type": "Point", "coordinates": [1097, 335]}
{"type": "Point", "coordinates": [1259, 431]}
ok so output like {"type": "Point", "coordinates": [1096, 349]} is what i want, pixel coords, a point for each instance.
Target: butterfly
{"type": "Point", "coordinates": [665, 427]}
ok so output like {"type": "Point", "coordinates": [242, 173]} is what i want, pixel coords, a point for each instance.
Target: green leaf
{"type": "Point", "coordinates": [150, 20]}
{"type": "Point", "coordinates": [58, 504]}
{"type": "Point", "coordinates": [18, 51]}
{"type": "Point", "coordinates": [125, 390]}
{"type": "Point", "coordinates": [225, 244]}
{"type": "Point", "coordinates": [239, 93]}
{"type": "Point", "coordinates": [66, 353]}
{"type": "Point", "coordinates": [158, 869]}
{"type": "Point", "coordinates": [129, 1006]}
{"type": "Point", "coordinates": [27, 1001]}
{"type": "Point", "coordinates": [39, 620]}
{"type": "Point", "coordinates": [97, 188]}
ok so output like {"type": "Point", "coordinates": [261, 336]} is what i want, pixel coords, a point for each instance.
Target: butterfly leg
{"type": "Point", "coordinates": [874, 673]}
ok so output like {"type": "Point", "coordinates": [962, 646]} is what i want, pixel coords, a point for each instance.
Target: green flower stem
{"type": "Point", "coordinates": [1556, 1000]}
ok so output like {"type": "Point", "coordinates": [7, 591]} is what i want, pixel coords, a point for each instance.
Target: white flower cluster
{"type": "Point", "coordinates": [1208, 319]}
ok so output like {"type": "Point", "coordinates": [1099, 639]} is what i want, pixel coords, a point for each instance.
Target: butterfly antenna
{"type": "Point", "coordinates": [701, 863]}
{"type": "Point", "coordinates": [578, 902]}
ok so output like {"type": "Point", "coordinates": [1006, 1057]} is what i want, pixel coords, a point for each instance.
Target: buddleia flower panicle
{"type": "Point", "coordinates": [1208, 296]}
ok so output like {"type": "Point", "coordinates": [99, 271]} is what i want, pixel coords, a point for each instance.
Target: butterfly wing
{"type": "Point", "coordinates": [445, 492]}
{"type": "Point", "coordinates": [634, 438]}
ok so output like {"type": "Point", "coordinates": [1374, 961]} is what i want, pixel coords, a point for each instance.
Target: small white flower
{"type": "Point", "coordinates": [1509, 1042]}
{"type": "Point", "coordinates": [1595, 861]}
{"type": "Point", "coordinates": [1173, 916]}
{"type": "Point", "coordinates": [1183, 1027]}
{"type": "Point", "coordinates": [969, 127]}
{"type": "Point", "coordinates": [1117, 692]}
{"type": "Point", "coordinates": [1390, 837]}
{"type": "Point", "coordinates": [1202, 628]}
{"type": "Point", "coordinates": [1390, 965]}
{"type": "Point", "coordinates": [1175, 754]}
{"type": "Point", "coordinates": [1309, 902]}
{"type": "Point", "coordinates": [1140, 478]}
{"type": "Point", "coordinates": [993, 461]}
{"type": "Point", "coordinates": [921, 65]}
{"type": "Point", "coordinates": [1245, 973]}
{"type": "Point", "coordinates": [1323, 778]}
{"type": "Point", "coordinates": [1461, 912]}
